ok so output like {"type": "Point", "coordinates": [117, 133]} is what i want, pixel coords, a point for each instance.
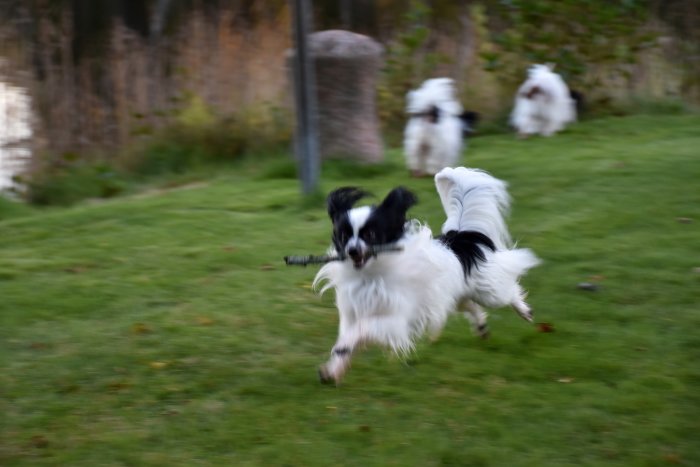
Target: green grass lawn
{"type": "Point", "coordinates": [163, 329]}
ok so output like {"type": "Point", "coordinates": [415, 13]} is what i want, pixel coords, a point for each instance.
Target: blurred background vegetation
{"type": "Point", "coordinates": [128, 88]}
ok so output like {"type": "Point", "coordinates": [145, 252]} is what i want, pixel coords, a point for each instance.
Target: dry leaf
{"type": "Point", "coordinates": [158, 365]}
{"type": "Point", "coordinates": [76, 269]}
{"type": "Point", "coordinates": [565, 380]}
{"type": "Point", "coordinates": [545, 327]}
{"type": "Point", "coordinates": [118, 385]}
{"type": "Point", "coordinates": [204, 321]}
{"type": "Point", "coordinates": [39, 441]}
{"type": "Point", "coordinates": [140, 328]}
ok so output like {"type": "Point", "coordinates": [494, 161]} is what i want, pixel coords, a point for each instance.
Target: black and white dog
{"type": "Point", "coordinates": [436, 128]}
{"type": "Point", "coordinates": [393, 298]}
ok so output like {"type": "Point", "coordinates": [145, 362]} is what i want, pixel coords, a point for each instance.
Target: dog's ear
{"type": "Point", "coordinates": [397, 202]}
{"type": "Point", "coordinates": [343, 199]}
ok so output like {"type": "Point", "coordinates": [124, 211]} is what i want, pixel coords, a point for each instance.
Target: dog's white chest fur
{"type": "Point", "coordinates": [390, 298]}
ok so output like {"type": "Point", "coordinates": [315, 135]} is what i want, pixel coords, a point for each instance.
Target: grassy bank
{"type": "Point", "coordinates": [163, 328]}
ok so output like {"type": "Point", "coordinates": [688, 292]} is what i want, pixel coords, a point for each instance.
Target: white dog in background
{"type": "Point", "coordinates": [436, 127]}
{"type": "Point", "coordinates": [543, 104]}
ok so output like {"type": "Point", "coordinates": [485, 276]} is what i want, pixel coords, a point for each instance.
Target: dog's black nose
{"type": "Point", "coordinates": [353, 252]}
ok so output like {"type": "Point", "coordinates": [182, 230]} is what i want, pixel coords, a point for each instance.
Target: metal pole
{"type": "Point", "coordinates": [306, 137]}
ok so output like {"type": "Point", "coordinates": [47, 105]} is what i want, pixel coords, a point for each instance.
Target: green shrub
{"type": "Point", "coordinates": [198, 138]}
{"type": "Point", "coordinates": [195, 138]}
{"type": "Point", "coordinates": [71, 183]}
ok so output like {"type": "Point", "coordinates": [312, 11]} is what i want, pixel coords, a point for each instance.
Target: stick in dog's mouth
{"type": "Point", "coordinates": [295, 260]}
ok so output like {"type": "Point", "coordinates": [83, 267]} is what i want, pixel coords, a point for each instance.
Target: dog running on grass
{"type": "Point", "coordinates": [393, 298]}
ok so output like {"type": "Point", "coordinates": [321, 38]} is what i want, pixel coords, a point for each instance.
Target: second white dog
{"type": "Point", "coordinates": [543, 104]}
{"type": "Point", "coordinates": [434, 132]}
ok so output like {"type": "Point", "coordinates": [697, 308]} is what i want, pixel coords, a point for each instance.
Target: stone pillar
{"type": "Point", "coordinates": [347, 66]}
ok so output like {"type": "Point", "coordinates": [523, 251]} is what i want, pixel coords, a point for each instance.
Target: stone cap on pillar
{"type": "Point", "coordinates": [345, 44]}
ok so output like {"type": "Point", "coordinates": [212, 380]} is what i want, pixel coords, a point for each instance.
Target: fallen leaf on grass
{"type": "Point", "coordinates": [545, 327]}
{"type": "Point", "coordinates": [204, 321]}
{"type": "Point", "coordinates": [672, 458]}
{"type": "Point", "coordinates": [267, 267]}
{"type": "Point", "coordinates": [565, 380]}
{"type": "Point", "coordinates": [76, 269]}
{"type": "Point", "coordinates": [364, 428]}
{"type": "Point", "coordinates": [39, 441]}
{"type": "Point", "coordinates": [140, 328]}
{"type": "Point", "coordinates": [118, 386]}
{"type": "Point", "coordinates": [158, 365]}
{"type": "Point", "coordinates": [684, 220]}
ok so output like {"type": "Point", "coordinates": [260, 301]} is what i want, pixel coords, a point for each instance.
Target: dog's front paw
{"type": "Point", "coordinates": [325, 376]}
{"type": "Point", "coordinates": [483, 331]}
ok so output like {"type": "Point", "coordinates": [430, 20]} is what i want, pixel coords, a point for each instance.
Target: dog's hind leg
{"type": "Point", "coordinates": [521, 307]}
{"type": "Point", "coordinates": [477, 316]}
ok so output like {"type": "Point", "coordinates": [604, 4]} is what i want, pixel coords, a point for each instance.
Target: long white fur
{"type": "Point", "coordinates": [429, 146]}
{"type": "Point", "coordinates": [546, 112]}
{"type": "Point", "coordinates": [397, 297]}
{"type": "Point", "coordinates": [474, 200]}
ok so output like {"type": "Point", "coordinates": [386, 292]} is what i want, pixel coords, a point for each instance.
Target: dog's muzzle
{"type": "Point", "coordinates": [358, 256]}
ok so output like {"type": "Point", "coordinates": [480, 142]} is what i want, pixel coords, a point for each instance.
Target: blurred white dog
{"type": "Point", "coordinates": [434, 133]}
{"type": "Point", "coordinates": [543, 104]}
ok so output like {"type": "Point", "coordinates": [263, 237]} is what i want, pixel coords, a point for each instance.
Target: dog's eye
{"type": "Point", "coordinates": [369, 236]}
{"type": "Point", "coordinates": [342, 234]}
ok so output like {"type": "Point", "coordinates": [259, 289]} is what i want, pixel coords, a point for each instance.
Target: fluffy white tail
{"type": "Point", "coordinates": [474, 200]}
{"type": "Point", "coordinates": [516, 262]}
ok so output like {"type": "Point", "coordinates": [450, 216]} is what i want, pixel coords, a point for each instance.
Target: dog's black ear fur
{"type": "Point", "coordinates": [343, 199]}
{"type": "Point", "coordinates": [396, 203]}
